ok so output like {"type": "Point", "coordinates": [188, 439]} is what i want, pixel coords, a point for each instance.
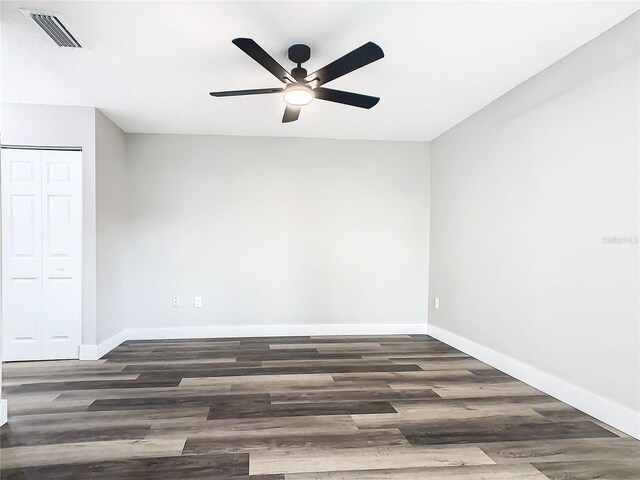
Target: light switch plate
{"type": "Point", "coordinates": [176, 301]}
{"type": "Point", "coordinates": [436, 303]}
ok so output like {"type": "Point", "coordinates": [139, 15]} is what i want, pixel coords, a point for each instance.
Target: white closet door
{"type": "Point", "coordinates": [41, 254]}
{"type": "Point", "coordinates": [61, 248]}
{"type": "Point", "coordinates": [21, 255]}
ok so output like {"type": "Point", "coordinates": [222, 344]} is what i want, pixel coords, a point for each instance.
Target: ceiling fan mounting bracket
{"type": "Point", "coordinates": [299, 53]}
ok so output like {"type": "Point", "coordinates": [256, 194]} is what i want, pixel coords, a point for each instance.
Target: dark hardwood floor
{"type": "Point", "coordinates": [296, 408]}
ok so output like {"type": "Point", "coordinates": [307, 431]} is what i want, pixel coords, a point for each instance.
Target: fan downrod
{"type": "Point", "coordinates": [299, 54]}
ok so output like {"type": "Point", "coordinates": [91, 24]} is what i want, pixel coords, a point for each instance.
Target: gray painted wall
{"type": "Point", "coordinates": [111, 211]}
{"type": "Point", "coordinates": [267, 231]}
{"type": "Point", "coordinates": [276, 231]}
{"type": "Point", "coordinates": [522, 194]}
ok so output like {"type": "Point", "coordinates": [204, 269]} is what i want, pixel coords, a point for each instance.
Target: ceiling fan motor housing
{"type": "Point", "coordinates": [299, 74]}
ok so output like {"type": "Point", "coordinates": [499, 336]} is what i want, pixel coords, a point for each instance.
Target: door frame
{"type": "Point", "coordinates": [80, 274]}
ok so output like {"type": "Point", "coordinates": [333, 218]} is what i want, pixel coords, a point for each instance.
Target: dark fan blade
{"type": "Point", "coordinates": [364, 55]}
{"type": "Point", "coordinates": [256, 52]}
{"type": "Point", "coordinates": [348, 98]}
{"type": "Point", "coordinates": [257, 91]}
{"type": "Point", "coordinates": [291, 114]}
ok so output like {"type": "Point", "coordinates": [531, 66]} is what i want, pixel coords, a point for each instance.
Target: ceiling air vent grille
{"type": "Point", "coordinates": [53, 26]}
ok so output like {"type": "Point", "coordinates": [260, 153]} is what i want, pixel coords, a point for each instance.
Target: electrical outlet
{"type": "Point", "coordinates": [197, 302]}
{"type": "Point", "coordinates": [176, 301]}
{"type": "Point", "coordinates": [436, 303]}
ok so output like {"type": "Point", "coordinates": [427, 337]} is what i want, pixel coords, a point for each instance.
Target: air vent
{"type": "Point", "coordinates": [54, 27]}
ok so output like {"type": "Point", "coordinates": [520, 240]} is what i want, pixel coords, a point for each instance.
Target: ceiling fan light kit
{"type": "Point", "coordinates": [301, 88]}
{"type": "Point", "coordinates": [298, 95]}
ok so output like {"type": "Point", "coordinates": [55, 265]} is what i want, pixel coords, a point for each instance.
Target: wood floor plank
{"type": "Point", "coordinates": [219, 401]}
{"type": "Point", "coordinates": [369, 338]}
{"type": "Point", "coordinates": [183, 467]}
{"type": "Point", "coordinates": [148, 392]}
{"type": "Point", "coordinates": [416, 418]}
{"type": "Point", "coordinates": [328, 347]}
{"type": "Point", "coordinates": [20, 381]}
{"type": "Point", "coordinates": [368, 458]}
{"type": "Point", "coordinates": [474, 472]}
{"type": "Point", "coordinates": [481, 430]}
{"type": "Point", "coordinates": [97, 419]}
{"type": "Point", "coordinates": [16, 457]}
{"type": "Point", "coordinates": [12, 438]}
{"type": "Point", "coordinates": [19, 407]}
{"type": "Point", "coordinates": [174, 361]}
{"type": "Point", "coordinates": [565, 450]}
{"type": "Point", "coordinates": [313, 440]}
{"type": "Point", "coordinates": [407, 376]}
{"type": "Point", "coordinates": [456, 363]}
{"type": "Point", "coordinates": [324, 362]}
{"type": "Point", "coordinates": [588, 470]}
{"type": "Point", "coordinates": [298, 409]}
{"type": "Point", "coordinates": [403, 355]}
{"type": "Point", "coordinates": [141, 381]}
{"type": "Point", "coordinates": [484, 390]}
{"type": "Point", "coordinates": [301, 379]}
{"type": "Point", "coordinates": [261, 427]}
{"type": "Point", "coordinates": [356, 395]}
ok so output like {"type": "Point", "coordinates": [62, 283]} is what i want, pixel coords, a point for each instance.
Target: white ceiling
{"type": "Point", "coordinates": [150, 65]}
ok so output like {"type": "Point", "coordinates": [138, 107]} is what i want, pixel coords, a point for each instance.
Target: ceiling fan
{"type": "Point", "coordinates": [301, 88]}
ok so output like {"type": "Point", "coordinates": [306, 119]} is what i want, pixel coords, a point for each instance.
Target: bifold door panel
{"type": "Point", "coordinates": [41, 254]}
{"type": "Point", "coordinates": [21, 255]}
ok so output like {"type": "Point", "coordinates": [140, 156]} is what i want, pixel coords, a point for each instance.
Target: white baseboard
{"type": "Point", "coordinates": [274, 331]}
{"type": "Point", "coordinates": [608, 411]}
{"type": "Point", "coordinates": [3, 412]}
{"type": "Point", "coordinates": [95, 352]}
